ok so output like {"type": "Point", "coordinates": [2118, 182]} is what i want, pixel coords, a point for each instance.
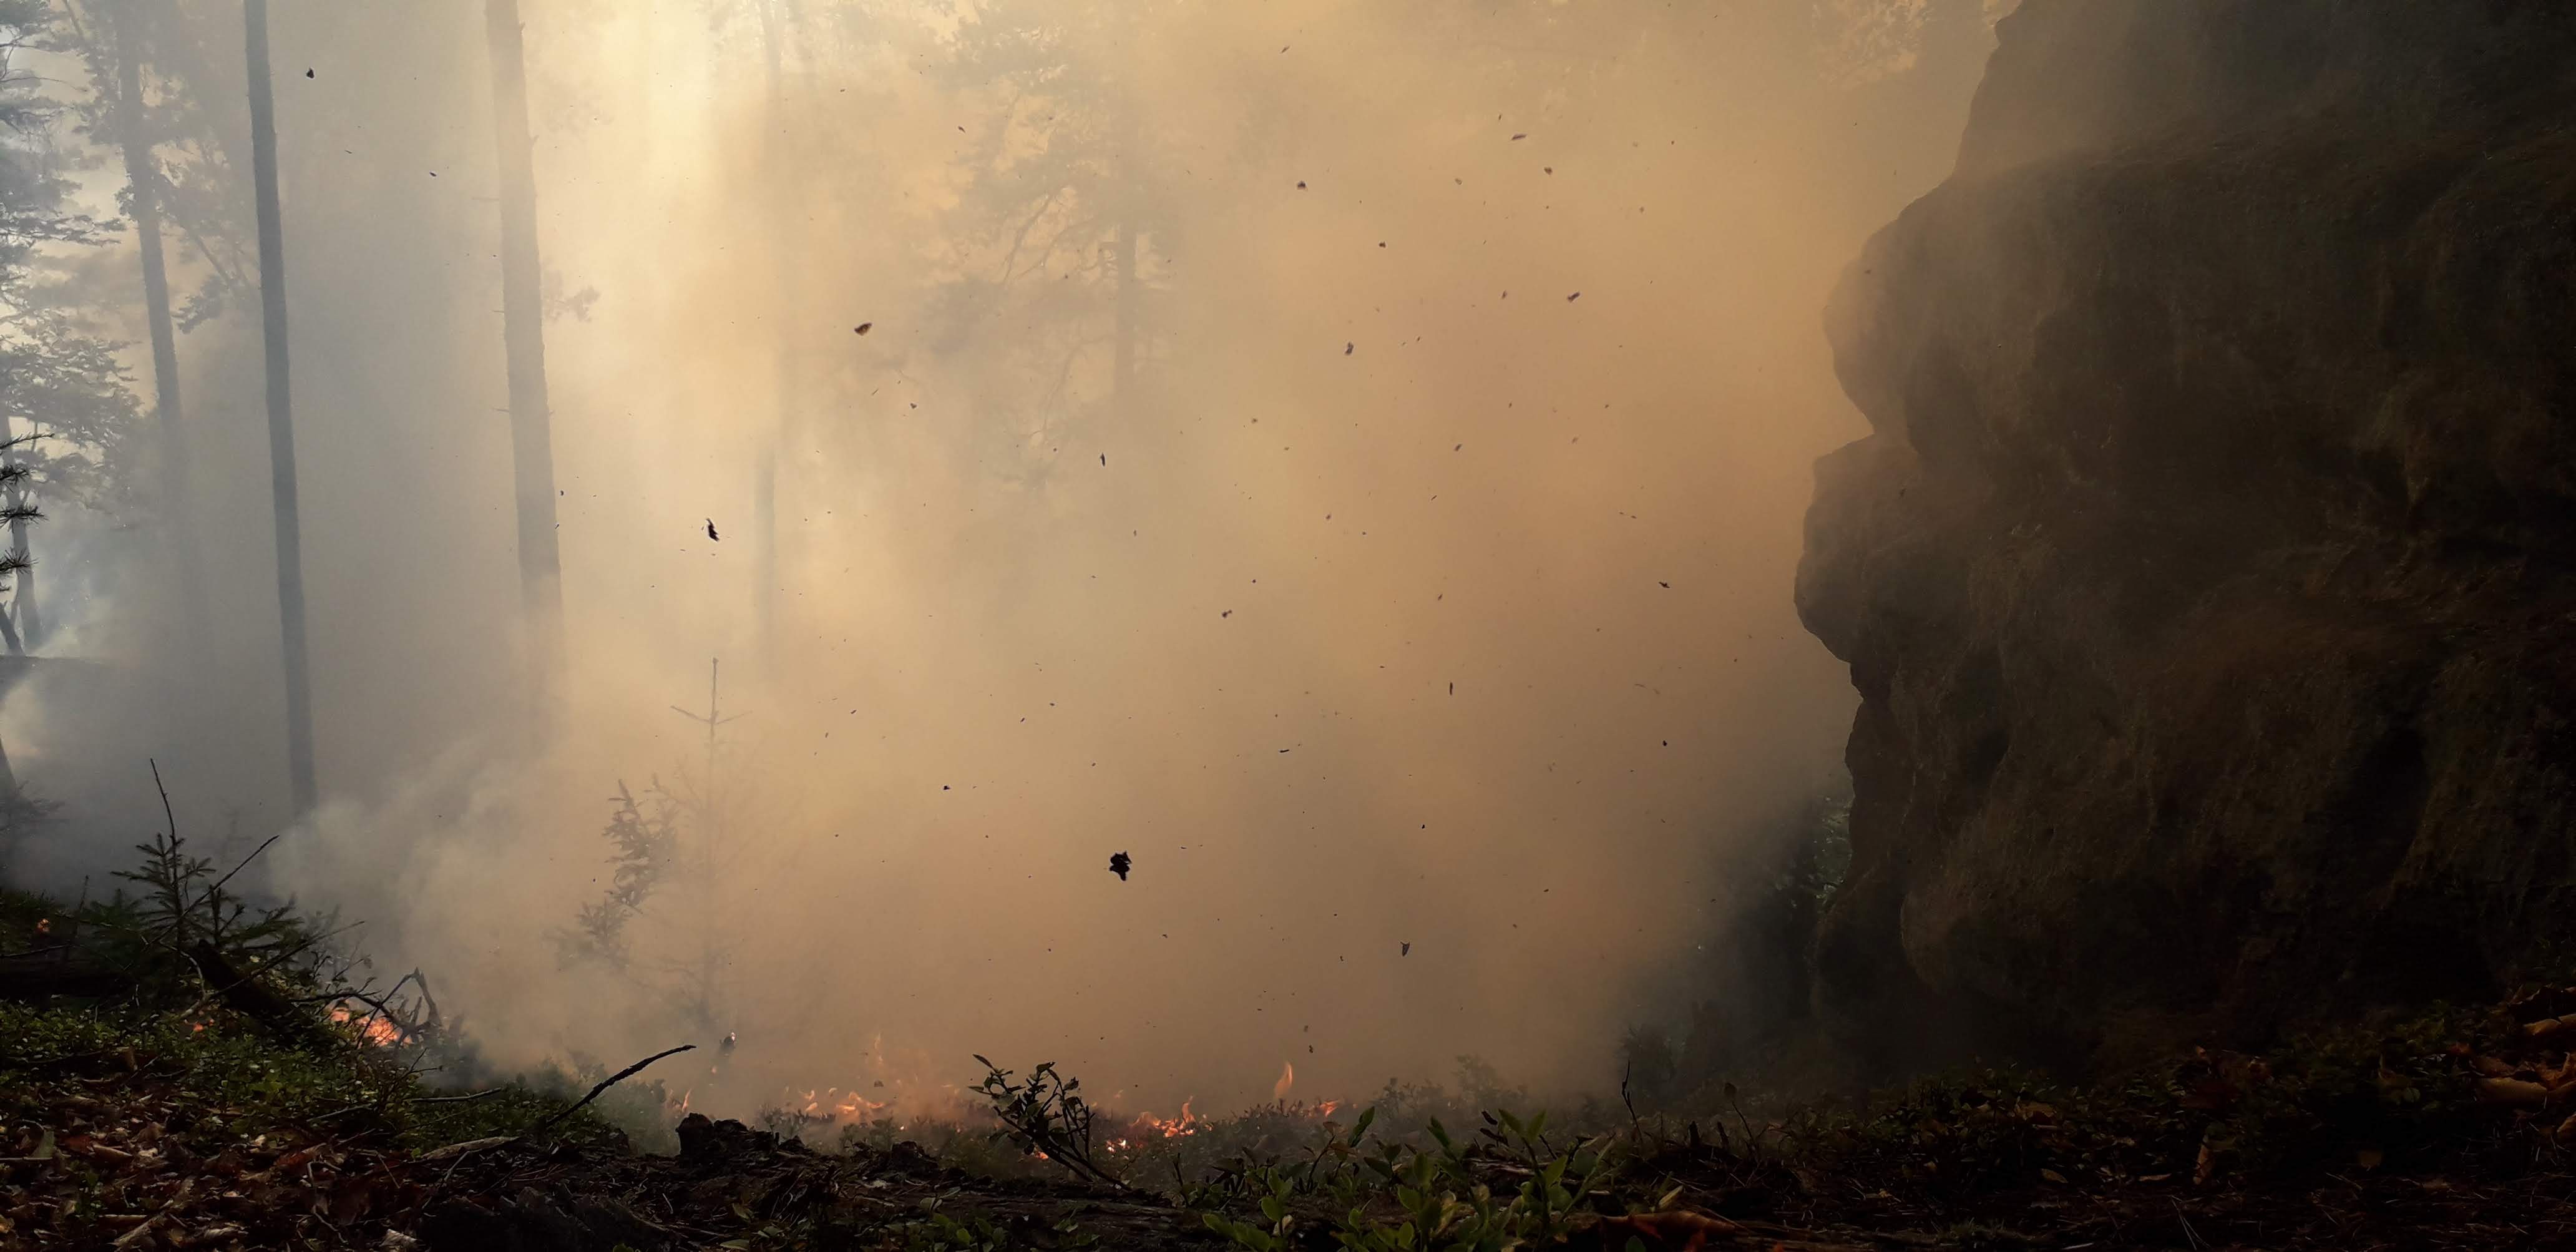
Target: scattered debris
{"type": "Point", "coordinates": [1119, 864]}
{"type": "Point", "coordinates": [865, 327]}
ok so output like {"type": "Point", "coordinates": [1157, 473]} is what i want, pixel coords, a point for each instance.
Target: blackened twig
{"type": "Point", "coordinates": [604, 1084]}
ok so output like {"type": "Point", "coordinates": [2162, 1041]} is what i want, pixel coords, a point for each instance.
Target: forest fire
{"type": "Point", "coordinates": [373, 1028]}
{"type": "Point", "coordinates": [1148, 1126]}
{"type": "Point", "coordinates": [834, 1105]}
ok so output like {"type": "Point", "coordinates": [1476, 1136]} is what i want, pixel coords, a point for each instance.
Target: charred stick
{"type": "Point", "coordinates": [604, 1084]}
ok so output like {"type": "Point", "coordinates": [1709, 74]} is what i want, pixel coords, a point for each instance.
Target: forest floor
{"type": "Point", "coordinates": [192, 1125]}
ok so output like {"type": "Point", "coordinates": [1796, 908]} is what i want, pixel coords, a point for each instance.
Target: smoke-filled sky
{"type": "Point", "coordinates": [1396, 595]}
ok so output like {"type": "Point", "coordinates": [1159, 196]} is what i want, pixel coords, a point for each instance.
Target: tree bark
{"type": "Point", "coordinates": [143, 184]}
{"type": "Point", "coordinates": [765, 469]}
{"type": "Point", "coordinates": [30, 627]}
{"type": "Point", "coordinates": [39, 975]}
{"type": "Point", "coordinates": [1122, 375]}
{"type": "Point", "coordinates": [281, 414]}
{"type": "Point", "coordinates": [523, 333]}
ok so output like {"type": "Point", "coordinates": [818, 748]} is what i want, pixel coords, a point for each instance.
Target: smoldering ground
{"type": "Point", "coordinates": [1417, 572]}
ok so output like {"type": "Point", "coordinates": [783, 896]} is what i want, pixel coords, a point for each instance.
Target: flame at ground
{"type": "Point", "coordinates": [1149, 1126]}
{"type": "Point", "coordinates": [372, 1028]}
{"type": "Point", "coordinates": [900, 1103]}
{"type": "Point", "coordinates": [836, 1106]}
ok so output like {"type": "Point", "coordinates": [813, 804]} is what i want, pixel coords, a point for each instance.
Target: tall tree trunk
{"type": "Point", "coordinates": [765, 468]}
{"type": "Point", "coordinates": [143, 183]}
{"type": "Point", "coordinates": [24, 601]}
{"type": "Point", "coordinates": [523, 331]}
{"type": "Point", "coordinates": [281, 413]}
{"type": "Point", "coordinates": [30, 630]}
{"type": "Point", "coordinates": [1122, 375]}
{"type": "Point", "coordinates": [23, 604]}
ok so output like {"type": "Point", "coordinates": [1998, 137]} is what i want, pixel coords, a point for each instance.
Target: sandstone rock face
{"type": "Point", "coordinates": [2209, 580]}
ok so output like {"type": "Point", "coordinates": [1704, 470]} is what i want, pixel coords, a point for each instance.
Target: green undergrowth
{"type": "Point", "coordinates": [2398, 1097]}
{"type": "Point", "coordinates": [219, 1067]}
{"type": "Point", "coordinates": [2395, 1099]}
{"type": "Point", "coordinates": [162, 1035]}
{"type": "Point", "coordinates": [1475, 1167]}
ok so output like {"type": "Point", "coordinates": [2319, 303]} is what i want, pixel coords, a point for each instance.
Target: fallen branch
{"type": "Point", "coordinates": [604, 1084]}
{"type": "Point", "coordinates": [503, 1141]}
{"type": "Point", "coordinates": [56, 972]}
{"type": "Point", "coordinates": [460, 1099]}
{"type": "Point", "coordinates": [141, 1232]}
{"type": "Point", "coordinates": [470, 1145]}
{"type": "Point", "coordinates": [255, 999]}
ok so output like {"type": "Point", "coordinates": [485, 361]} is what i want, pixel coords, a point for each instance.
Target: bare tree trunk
{"type": "Point", "coordinates": [281, 413]}
{"type": "Point", "coordinates": [523, 331]}
{"type": "Point", "coordinates": [143, 183]}
{"type": "Point", "coordinates": [1122, 376]}
{"type": "Point", "coordinates": [23, 605]}
{"type": "Point", "coordinates": [765, 467]}
{"type": "Point", "coordinates": [30, 627]}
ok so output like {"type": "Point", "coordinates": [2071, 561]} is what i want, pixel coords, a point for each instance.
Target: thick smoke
{"type": "Point", "coordinates": [1423, 581]}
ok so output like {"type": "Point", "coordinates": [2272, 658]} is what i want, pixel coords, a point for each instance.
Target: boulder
{"type": "Point", "coordinates": [2209, 575]}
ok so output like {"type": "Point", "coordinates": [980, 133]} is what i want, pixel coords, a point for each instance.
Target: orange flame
{"type": "Point", "coordinates": [1148, 1125]}
{"type": "Point", "coordinates": [1287, 1079]}
{"type": "Point", "coordinates": [374, 1029]}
